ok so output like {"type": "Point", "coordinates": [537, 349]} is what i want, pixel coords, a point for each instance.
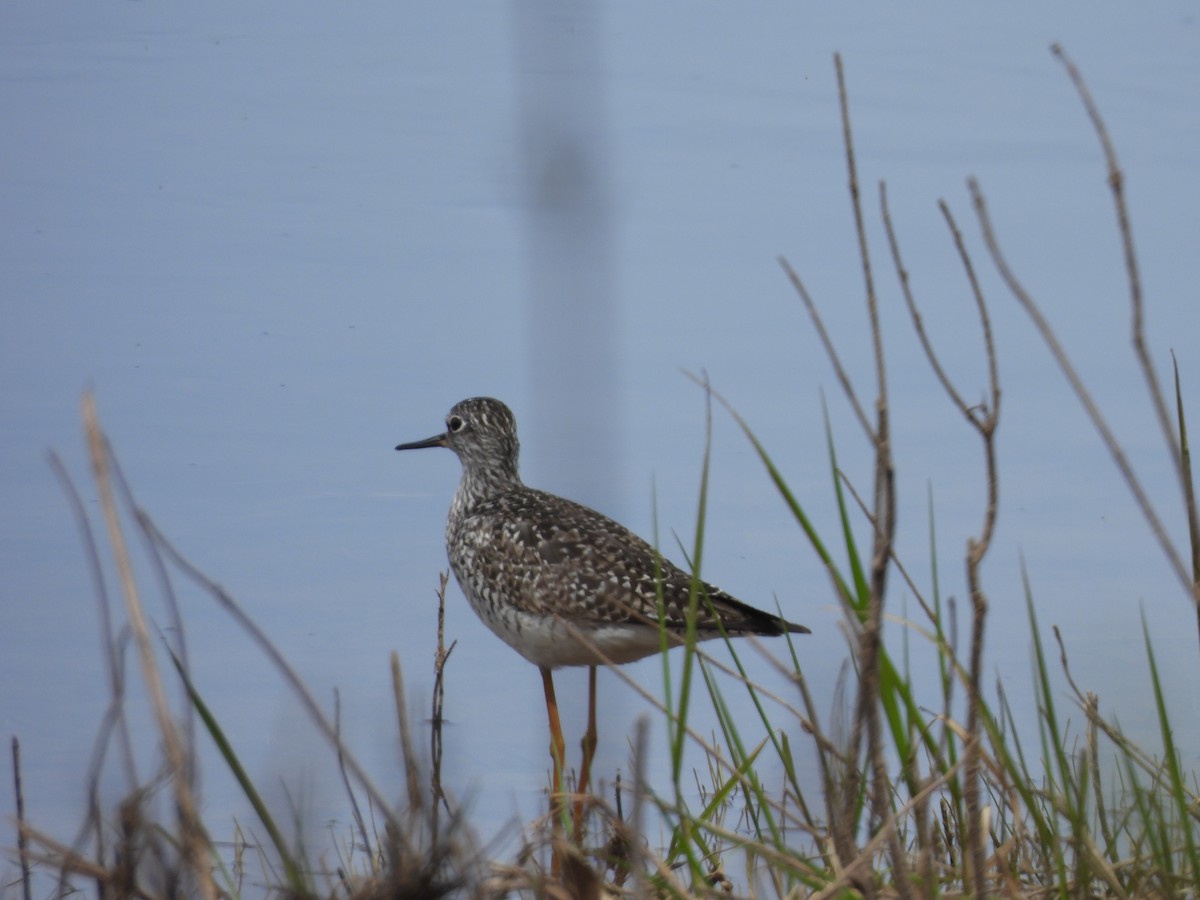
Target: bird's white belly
{"type": "Point", "coordinates": [552, 643]}
{"type": "Point", "coordinates": [549, 641]}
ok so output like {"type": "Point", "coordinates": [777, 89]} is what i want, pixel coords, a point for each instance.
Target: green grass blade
{"type": "Point", "coordinates": [1054, 757]}
{"type": "Point", "coordinates": [720, 796]}
{"type": "Point", "coordinates": [293, 872]}
{"type": "Point", "coordinates": [694, 591]}
{"type": "Point", "coordinates": [1179, 792]}
{"type": "Point", "coordinates": [860, 598]}
{"type": "Point", "coordinates": [758, 807]}
{"type": "Point", "coordinates": [1189, 487]}
{"type": "Point", "coordinates": [789, 499]}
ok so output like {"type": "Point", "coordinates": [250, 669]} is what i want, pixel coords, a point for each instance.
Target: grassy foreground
{"type": "Point", "coordinates": [920, 795]}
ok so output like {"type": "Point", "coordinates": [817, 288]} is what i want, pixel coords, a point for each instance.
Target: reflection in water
{"type": "Point", "coordinates": [573, 420]}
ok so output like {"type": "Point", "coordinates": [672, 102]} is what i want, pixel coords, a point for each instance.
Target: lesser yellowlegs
{"type": "Point", "coordinates": [558, 582]}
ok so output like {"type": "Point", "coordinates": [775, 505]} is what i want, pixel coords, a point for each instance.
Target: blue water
{"type": "Point", "coordinates": [276, 240]}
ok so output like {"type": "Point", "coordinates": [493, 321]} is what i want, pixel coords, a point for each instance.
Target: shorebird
{"type": "Point", "coordinates": [560, 583]}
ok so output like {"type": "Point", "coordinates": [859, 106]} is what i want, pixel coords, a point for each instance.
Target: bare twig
{"type": "Point", "coordinates": [884, 517]}
{"type": "Point", "coordinates": [896, 560]}
{"type": "Point", "coordinates": [440, 658]}
{"type": "Point", "coordinates": [1081, 392]}
{"type": "Point", "coordinates": [985, 421]}
{"type": "Point", "coordinates": [22, 840]}
{"type": "Point", "coordinates": [1174, 442]}
{"type": "Point", "coordinates": [992, 411]}
{"type": "Point", "coordinates": [830, 350]}
{"type": "Point", "coordinates": [1116, 182]}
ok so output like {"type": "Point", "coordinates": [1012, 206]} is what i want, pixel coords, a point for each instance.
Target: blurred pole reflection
{"type": "Point", "coordinates": [571, 432]}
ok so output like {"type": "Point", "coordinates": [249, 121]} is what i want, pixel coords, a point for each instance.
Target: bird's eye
{"type": "Point", "coordinates": [455, 424]}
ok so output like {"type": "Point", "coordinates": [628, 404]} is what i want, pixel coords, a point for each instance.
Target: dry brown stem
{"type": "Point", "coordinates": [22, 841]}
{"type": "Point", "coordinates": [408, 755]}
{"type": "Point", "coordinates": [73, 862]}
{"type": "Point", "coordinates": [1176, 443]}
{"type": "Point", "coordinates": [1116, 182]}
{"type": "Point", "coordinates": [108, 644]}
{"type": "Point", "coordinates": [830, 348]}
{"type": "Point", "coordinates": [882, 516]}
{"type": "Point", "coordinates": [1081, 392]}
{"type": "Point", "coordinates": [227, 602]}
{"type": "Point", "coordinates": [193, 836]}
{"type": "Point", "coordinates": [884, 531]}
{"type": "Point", "coordinates": [437, 719]}
{"type": "Point", "coordinates": [984, 420]}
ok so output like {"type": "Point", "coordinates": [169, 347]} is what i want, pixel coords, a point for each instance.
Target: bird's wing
{"type": "Point", "coordinates": [559, 556]}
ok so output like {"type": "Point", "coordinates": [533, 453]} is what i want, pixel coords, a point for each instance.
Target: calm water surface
{"type": "Point", "coordinates": [277, 240]}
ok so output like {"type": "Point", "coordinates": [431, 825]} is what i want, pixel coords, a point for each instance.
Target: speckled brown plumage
{"type": "Point", "coordinates": [543, 572]}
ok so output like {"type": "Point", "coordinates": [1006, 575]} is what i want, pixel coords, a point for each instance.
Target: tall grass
{"type": "Point", "coordinates": [921, 794]}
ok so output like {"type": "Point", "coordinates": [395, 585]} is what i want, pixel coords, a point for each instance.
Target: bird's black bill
{"type": "Point", "coordinates": [438, 440]}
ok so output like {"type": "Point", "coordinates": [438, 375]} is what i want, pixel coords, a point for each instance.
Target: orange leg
{"type": "Point", "coordinates": [557, 753]}
{"type": "Point", "coordinates": [589, 751]}
{"type": "Point", "coordinates": [558, 746]}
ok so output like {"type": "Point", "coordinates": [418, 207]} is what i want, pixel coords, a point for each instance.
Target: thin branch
{"type": "Point", "coordinates": [884, 516]}
{"type": "Point", "coordinates": [441, 656]}
{"type": "Point", "coordinates": [985, 422]}
{"type": "Point", "coordinates": [985, 320]}
{"type": "Point", "coordinates": [22, 838]}
{"type": "Point", "coordinates": [1081, 392]}
{"type": "Point", "coordinates": [915, 314]}
{"type": "Point", "coordinates": [896, 560]}
{"type": "Point", "coordinates": [830, 351]}
{"type": "Point", "coordinates": [861, 233]}
{"type": "Point", "coordinates": [1116, 182]}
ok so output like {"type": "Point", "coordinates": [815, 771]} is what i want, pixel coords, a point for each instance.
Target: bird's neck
{"type": "Point", "coordinates": [479, 484]}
